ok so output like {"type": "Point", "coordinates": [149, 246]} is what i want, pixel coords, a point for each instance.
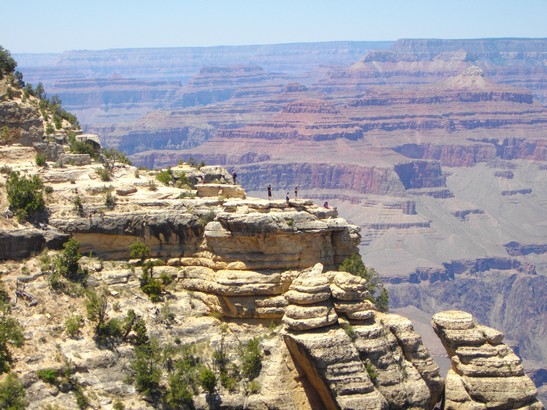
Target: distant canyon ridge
{"type": "Point", "coordinates": [437, 149]}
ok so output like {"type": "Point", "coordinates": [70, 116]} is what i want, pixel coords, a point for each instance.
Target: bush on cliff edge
{"type": "Point", "coordinates": [378, 294]}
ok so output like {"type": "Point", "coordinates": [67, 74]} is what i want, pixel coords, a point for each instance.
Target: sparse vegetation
{"type": "Point", "coordinates": [67, 262]}
{"type": "Point", "coordinates": [378, 294]}
{"type": "Point", "coordinates": [150, 285]}
{"type": "Point", "coordinates": [7, 62]}
{"type": "Point", "coordinates": [165, 177]}
{"type": "Point", "coordinates": [350, 331]}
{"type": "Point", "coordinates": [25, 195]}
{"type": "Point", "coordinates": [139, 250]}
{"type": "Point", "coordinates": [110, 200]}
{"type": "Point", "coordinates": [78, 206]}
{"type": "Point", "coordinates": [251, 359]}
{"type": "Point", "coordinates": [208, 380]}
{"type": "Point", "coordinates": [104, 173]}
{"type": "Point", "coordinates": [80, 147]}
{"type": "Point", "coordinates": [47, 375]}
{"type": "Point", "coordinates": [12, 394]}
{"type": "Point", "coordinates": [40, 159]}
{"type": "Point", "coordinates": [11, 332]}
{"type": "Point", "coordinates": [145, 368]}
{"type": "Point", "coordinates": [73, 325]}
{"type": "Point", "coordinates": [64, 380]}
{"type": "Point", "coordinates": [112, 155]}
{"type": "Point", "coordinates": [371, 371]}
{"type": "Point", "coordinates": [118, 405]}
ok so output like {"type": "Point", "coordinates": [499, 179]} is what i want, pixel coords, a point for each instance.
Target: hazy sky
{"type": "Point", "coordinates": [57, 25]}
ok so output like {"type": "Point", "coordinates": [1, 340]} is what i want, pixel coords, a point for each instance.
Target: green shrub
{"type": "Point", "coordinates": [25, 195]}
{"type": "Point", "coordinates": [72, 325]}
{"type": "Point", "coordinates": [145, 369]}
{"type": "Point", "coordinates": [253, 387]}
{"type": "Point", "coordinates": [11, 333]}
{"type": "Point", "coordinates": [40, 159]}
{"type": "Point", "coordinates": [110, 200]}
{"type": "Point", "coordinates": [49, 129]}
{"type": "Point", "coordinates": [350, 331]}
{"type": "Point", "coordinates": [12, 394]}
{"type": "Point", "coordinates": [78, 206]}
{"type": "Point", "coordinates": [96, 306]}
{"type": "Point", "coordinates": [166, 279]}
{"type": "Point", "coordinates": [382, 301]}
{"type": "Point", "coordinates": [118, 405]}
{"type": "Point", "coordinates": [81, 400]}
{"type": "Point", "coordinates": [104, 173]}
{"type": "Point", "coordinates": [150, 285]}
{"type": "Point", "coordinates": [378, 294]}
{"type": "Point", "coordinates": [67, 262]}
{"type": "Point", "coordinates": [165, 177]}
{"type": "Point", "coordinates": [371, 371]}
{"type": "Point", "coordinates": [182, 180]}
{"type": "Point", "coordinates": [179, 394]}
{"type": "Point", "coordinates": [112, 155]}
{"type": "Point", "coordinates": [251, 359]}
{"type": "Point", "coordinates": [48, 376]}
{"type": "Point", "coordinates": [208, 380]}
{"type": "Point", "coordinates": [138, 249]}
{"type": "Point", "coordinates": [7, 62]}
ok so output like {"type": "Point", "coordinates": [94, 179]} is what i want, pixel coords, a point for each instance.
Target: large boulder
{"type": "Point", "coordinates": [485, 373]}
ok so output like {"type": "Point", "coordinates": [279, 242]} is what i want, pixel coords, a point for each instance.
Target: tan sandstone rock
{"type": "Point", "coordinates": [485, 373]}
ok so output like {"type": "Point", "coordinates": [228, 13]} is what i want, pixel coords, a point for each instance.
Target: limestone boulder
{"type": "Point", "coordinates": [21, 243]}
{"type": "Point", "coordinates": [484, 373]}
{"type": "Point", "coordinates": [309, 317]}
{"type": "Point", "coordinates": [346, 286]}
{"type": "Point", "coordinates": [220, 190]}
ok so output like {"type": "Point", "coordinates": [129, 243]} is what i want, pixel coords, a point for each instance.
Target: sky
{"type": "Point", "coordinates": [39, 26]}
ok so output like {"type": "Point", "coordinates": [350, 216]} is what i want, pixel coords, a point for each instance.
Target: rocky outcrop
{"type": "Point", "coordinates": [516, 249]}
{"type": "Point", "coordinates": [22, 243]}
{"type": "Point", "coordinates": [23, 121]}
{"type": "Point", "coordinates": [484, 373]}
{"type": "Point", "coordinates": [167, 233]}
{"type": "Point", "coordinates": [223, 191]}
{"type": "Point", "coordinates": [291, 239]}
{"type": "Point", "coordinates": [354, 356]}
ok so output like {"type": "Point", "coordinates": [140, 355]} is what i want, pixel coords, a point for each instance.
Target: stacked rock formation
{"type": "Point", "coordinates": [485, 373]}
{"type": "Point", "coordinates": [354, 356]}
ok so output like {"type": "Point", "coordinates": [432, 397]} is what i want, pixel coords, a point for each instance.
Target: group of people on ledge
{"type": "Point", "coordinates": [269, 190]}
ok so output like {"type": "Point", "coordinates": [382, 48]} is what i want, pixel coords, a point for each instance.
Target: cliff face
{"type": "Point", "coordinates": [23, 121]}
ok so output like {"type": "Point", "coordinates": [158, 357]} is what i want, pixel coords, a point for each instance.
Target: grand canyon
{"type": "Point", "coordinates": [436, 150]}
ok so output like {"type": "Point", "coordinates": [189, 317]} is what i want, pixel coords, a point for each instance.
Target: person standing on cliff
{"type": "Point", "coordinates": [269, 192]}
{"type": "Point", "coordinates": [234, 176]}
{"type": "Point", "coordinates": [287, 198]}
{"type": "Point", "coordinates": [296, 192]}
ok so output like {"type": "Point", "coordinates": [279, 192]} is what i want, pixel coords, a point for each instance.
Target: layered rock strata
{"type": "Point", "coordinates": [485, 373]}
{"type": "Point", "coordinates": [354, 356]}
